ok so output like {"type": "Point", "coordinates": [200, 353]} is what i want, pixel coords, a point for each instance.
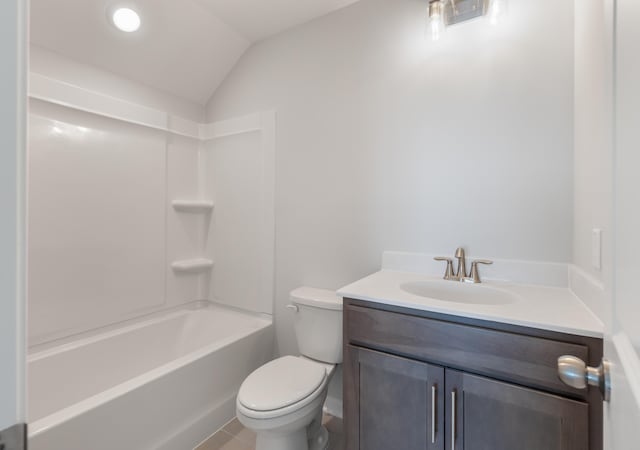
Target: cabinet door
{"type": "Point", "coordinates": [394, 403]}
{"type": "Point", "coordinates": [484, 414]}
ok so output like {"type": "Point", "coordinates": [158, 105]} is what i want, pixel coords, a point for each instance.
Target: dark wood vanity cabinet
{"type": "Point", "coordinates": [493, 415]}
{"type": "Point", "coordinates": [400, 402]}
{"type": "Point", "coordinates": [416, 380]}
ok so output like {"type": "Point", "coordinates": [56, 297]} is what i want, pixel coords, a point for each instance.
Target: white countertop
{"type": "Point", "coordinates": [547, 308]}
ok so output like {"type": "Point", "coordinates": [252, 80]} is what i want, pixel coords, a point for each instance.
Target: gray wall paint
{"type": "Point", "coordinates": [386, 141]}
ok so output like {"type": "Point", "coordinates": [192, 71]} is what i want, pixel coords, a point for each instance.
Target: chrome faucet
{"type": "Point", "coordinates": [461, 272]}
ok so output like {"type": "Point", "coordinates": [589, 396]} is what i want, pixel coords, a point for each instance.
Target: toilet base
{"type": "Point", "coordinates": [296, 436]}
{"type": "Point", "coordinates": [282, 441]}
{"type": "Point", "coordinates": [321, 442]}
{"type": "Point", "coordinates": [293, 441]}
{"type": "Point", "coordinates": [317, 435]}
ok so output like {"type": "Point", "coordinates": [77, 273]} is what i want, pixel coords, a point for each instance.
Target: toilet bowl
{"type": "Point", "coordinates": [282, 400]}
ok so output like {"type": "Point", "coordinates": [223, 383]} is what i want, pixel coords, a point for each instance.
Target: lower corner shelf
{"type": "Point", "coordinates": [192, 265]}
{"type": "Point", "coordinates": [193, 206]}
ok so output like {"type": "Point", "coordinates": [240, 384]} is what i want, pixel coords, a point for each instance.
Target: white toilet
{"type": "Point", "coordinates": [282, 400]}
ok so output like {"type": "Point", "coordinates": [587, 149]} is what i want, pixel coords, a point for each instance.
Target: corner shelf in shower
{"type": "Point", "coordinates": [193, 206]}
{"type": "Point", "coordinates": [196, 265]}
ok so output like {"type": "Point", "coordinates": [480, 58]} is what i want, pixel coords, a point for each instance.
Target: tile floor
{"type": "Point", "coordinates": [234, 436]}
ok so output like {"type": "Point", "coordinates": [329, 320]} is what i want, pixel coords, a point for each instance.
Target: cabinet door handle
{"type": "Point", "coordinates": [433, 414]}
{"type": "Point", "coordinates": [453, 420]}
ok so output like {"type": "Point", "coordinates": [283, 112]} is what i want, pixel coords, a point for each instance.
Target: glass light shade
{"type": "Point", "coordinates": [497, 10]}
{"type": "Point", "coordinates": [436, 19]}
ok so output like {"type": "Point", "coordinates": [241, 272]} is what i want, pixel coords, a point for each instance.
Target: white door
{"type": "Point", "coordinates": [12, 152]}
{"type": "Point", "coordinates": [622, 348]}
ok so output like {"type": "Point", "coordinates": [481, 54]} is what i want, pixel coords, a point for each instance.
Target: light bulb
{"type": "Point", "coordinates": [436, 19]}
{"type": "Point", "coordinates": [126, 19]}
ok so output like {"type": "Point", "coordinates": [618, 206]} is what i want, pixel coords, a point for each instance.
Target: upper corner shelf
{"type": "Point", "coordinates": [192, 206]}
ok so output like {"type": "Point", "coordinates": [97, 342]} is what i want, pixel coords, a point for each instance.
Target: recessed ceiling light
{"type": "Point", "coordinates": [126, 19]}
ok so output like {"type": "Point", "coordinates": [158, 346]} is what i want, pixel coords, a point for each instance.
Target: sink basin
{"type": "Point", "coordinates": [452, 291]}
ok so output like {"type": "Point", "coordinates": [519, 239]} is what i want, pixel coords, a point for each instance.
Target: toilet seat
{"type": "Point", "coordinates": [281, 387]}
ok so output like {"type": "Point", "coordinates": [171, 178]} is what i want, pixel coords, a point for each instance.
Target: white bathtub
{"type": "Point", "coordinates": [166, 382]}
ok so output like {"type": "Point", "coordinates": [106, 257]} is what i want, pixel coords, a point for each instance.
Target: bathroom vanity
{"type": "Point", "coordinates": [427, 373]}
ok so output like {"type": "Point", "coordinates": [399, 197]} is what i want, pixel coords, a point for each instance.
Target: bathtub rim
{"type": "Point", "coordinates": [74, 410]}
{"type": "Point", "coordinates": [59, 342]}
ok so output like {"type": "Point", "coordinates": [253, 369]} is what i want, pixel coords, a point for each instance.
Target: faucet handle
{"type": "Point", "coordinates": [482, 261]}
{"type": "Point", "coordinates": [448, 274]}
{"type": "Point", "coordinates": [475, 275]}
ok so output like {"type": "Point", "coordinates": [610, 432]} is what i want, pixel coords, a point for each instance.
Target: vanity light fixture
{"type": "Point", "coordinates": [497, 10]}
{"type": "Point", "coordinates": [436, 19]}
{"type": "Point", "coordinates": [443, 13]}
{"type": "Point", "coordinates": [126, 19]}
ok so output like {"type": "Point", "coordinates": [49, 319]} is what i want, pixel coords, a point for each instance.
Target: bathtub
{"type": "Point", "coordinates": [165, 382]}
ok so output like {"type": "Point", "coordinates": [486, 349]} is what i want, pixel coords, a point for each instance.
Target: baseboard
{"type": "Point", "coordinates": [333, 406]}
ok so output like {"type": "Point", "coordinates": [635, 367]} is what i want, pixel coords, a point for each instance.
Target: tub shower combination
{"type": "Point", "coordinates": [123, 354]}
{"type": "Point", "coordinates": [163, 382]}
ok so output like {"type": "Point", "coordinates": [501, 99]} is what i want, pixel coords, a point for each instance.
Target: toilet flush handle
{"type": "Point", "coordinates": [293, 307]}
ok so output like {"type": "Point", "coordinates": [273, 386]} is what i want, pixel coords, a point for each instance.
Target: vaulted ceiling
{"type": "Point", "coordinates": [184, 47]}
{"type": "Point", "coordinates": [258, 19]}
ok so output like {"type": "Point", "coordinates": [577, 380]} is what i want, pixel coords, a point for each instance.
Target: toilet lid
{"type": "Point", "coordinates": [280, 383]}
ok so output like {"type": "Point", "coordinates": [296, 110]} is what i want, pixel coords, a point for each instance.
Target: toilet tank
{"type": "Point", "coordinates": [318, 323]}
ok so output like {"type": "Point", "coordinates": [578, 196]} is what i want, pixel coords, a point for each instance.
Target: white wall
{"type": "Point", "coordinates": [12, 142]}
{"type": "Point", "coordinates": [104, 234]}
{"type": "Point", "coordinates": [388, 142]}
{"type": "Point", "coordinates": [56, 66]}
{"type": "Point", "coordinates": [593, 160]}
{"type": "Point", "coordinates": [96, 232]}
{"type": "Point", "coordinates": [102, 231]}
{"type": "Point", "coordinates": [240, 234]}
